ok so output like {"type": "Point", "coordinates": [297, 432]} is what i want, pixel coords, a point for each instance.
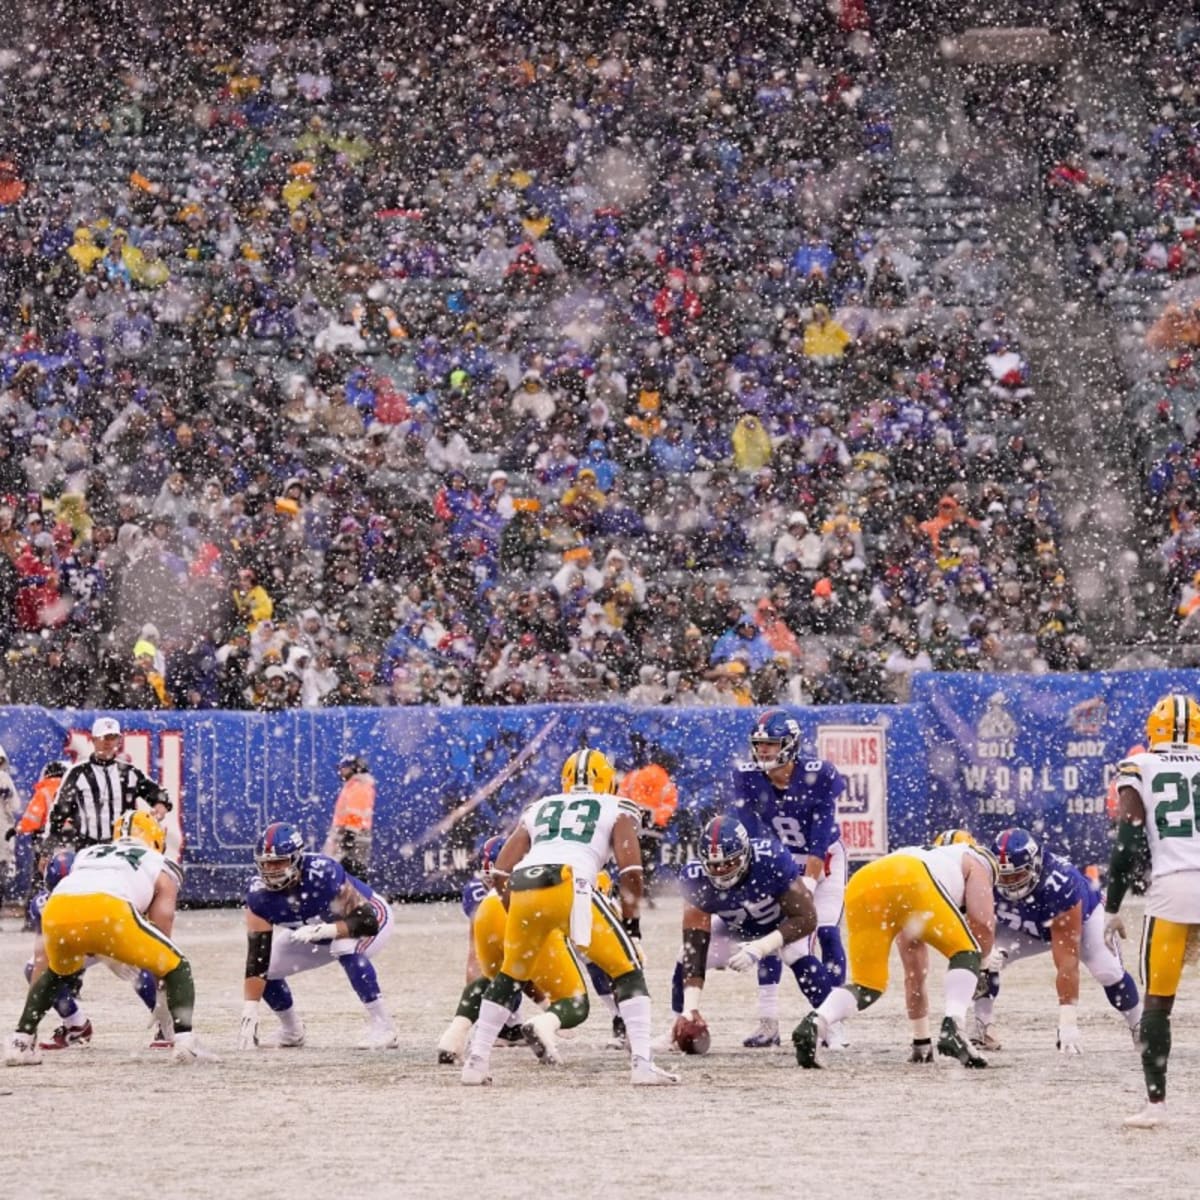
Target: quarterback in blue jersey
{"type": "Point", "coordinates": [303, 911]}
{"type": "Point", "coordinates": [794, 800]}
{"type": "Point", "coordinates": [76, 1029]}
{"type": "Point", "coordinates": [743, 901]}
{"type": "Point", "coordinates": [1044, 902]}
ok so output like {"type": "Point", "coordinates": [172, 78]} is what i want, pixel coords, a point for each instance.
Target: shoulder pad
{"type": "Point", "coordinates": [1130, 768]}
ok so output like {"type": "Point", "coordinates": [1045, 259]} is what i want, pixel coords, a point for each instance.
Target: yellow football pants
{"type": "Point", "coordinates": [557, 973]}
{"type": "Point", "coordinates": [75, 926]}
{"type": "Point", "coordinates": [540, 917]}
{"type": "Point", "coordinates": [1164, 951]}
{"type": "Point", "coordinates": [893, 895]}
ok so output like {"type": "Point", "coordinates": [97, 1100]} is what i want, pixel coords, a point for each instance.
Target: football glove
{"type": "Point", "coordinates": [1069, 1041]}
{"type": "Point", "coordinates": [748, 955]}
{"type": "Point", "coordinates": [325, 932]}
{"type": "Point", "coordinates": [248, 1030]}
{"type": "Point", "coordinates": [1114, 931]}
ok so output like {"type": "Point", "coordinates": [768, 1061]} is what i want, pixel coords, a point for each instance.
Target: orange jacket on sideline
{"type": "Point", "coordinates": [355, 806]}
{"type": "Point", "coordinates": [651, 787]}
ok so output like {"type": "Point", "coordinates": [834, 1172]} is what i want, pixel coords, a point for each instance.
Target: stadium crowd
{"type": "Point", "coordinates": [510, 368]}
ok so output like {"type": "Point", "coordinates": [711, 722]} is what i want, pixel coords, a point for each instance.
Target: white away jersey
{"type": "Point", "coordinates": [127, 870]}
{"type": "Point", "coordinates": [945, 864]}
{"type": "Point", "coordinates": [1168, 782]}
{"type": "Point", "coordinates": [575, 829]}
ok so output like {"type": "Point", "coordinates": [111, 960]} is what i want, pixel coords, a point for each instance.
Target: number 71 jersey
{"type": "Point", "coordinates": [574, 829]}
{"type": "Point", "coordinates": [1168, 782]}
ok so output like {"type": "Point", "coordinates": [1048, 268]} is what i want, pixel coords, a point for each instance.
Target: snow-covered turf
{"type": "Point", "coordinates": [117, 1120]}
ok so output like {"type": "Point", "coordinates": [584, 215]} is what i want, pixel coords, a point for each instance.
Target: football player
{"type": "Point", "coordinates": [1043, 902]}
{"type": "Point", "coordinates": [117, 901]}
{"type": "Point", "coordinates": [742, 901]}
{"type": "Point", "coordinates": [939, 896]}
{"type": "Point", "coordinates": [547, 872]}
{"type": "Point", "coordinates": [793, 800]}
{"type": "Point", "coordinates": [1159, 822]}
{"type": "Point", "coordinates": [556, 981]}
{"type": "Point", "coordinates": [76, 1029]}
{"type": "Point", "coordinates": [302, 912]}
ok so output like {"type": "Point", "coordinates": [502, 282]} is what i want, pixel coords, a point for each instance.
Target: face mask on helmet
{"type": "Point", "coordinates": [725, 852]}
{"type": "Point", "coordinates": [775, 740]}
{"type": "Point", "coordinates": [277, 856]}
{"type": "Point", "coordinates": [1019, 863]}
{"type": "Point", "coordinates": [488, 854]}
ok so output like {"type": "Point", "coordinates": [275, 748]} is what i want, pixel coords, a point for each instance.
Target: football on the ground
{"type": "Point", "coordinates": [692, 1037]}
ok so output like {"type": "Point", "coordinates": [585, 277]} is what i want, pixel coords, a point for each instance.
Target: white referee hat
{"type": "Point", "coordinates": [106, 727]}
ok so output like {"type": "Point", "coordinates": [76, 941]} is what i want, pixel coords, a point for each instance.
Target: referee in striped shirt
{"type": "Point", "coordinates": [95, 792]}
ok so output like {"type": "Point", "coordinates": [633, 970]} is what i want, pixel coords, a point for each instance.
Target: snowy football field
{"type": "Point", "coordinates": [118, 1120]}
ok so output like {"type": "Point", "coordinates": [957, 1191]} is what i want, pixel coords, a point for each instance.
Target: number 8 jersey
{"type": "Point", "coordinates": [1168, 782]}
{"type": "Point", "coordinates": [574, 829]}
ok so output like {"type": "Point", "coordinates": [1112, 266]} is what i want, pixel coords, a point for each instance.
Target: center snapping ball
{"type": "Point", "coordinates": [692, 1037]}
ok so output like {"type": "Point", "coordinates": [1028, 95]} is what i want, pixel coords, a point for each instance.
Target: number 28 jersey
{"type": "Point", "coordinates": [127, 870]}
{"type": "Point", "coordinates": [574, 829]}
{"type": "Point", "coordinates": [1168, 782]}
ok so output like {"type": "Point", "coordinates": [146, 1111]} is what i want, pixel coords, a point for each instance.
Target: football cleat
{"type": "Point", "coordinates": [806, 1037]}
{"type": "Point", "coordinates": [188, 1051]}
{"type": "Point", "coordinates": [767, 1034]}
{"type": "Point", "coordinates": [619, 1039]}
{"type": "Point", "coordinates": [476, 1071]}
{"type": "Point", "coordinates": [644, 1073]}
{"type": "Point", "coordinates": [22, 1051]}
{"type": "Point", "coordinates": [984, 1036]}
{"type": "Point", "coordinates": [835, 1037]}
{"type": "Point", "coordinates": [284, 1039]}
{"type": "Point", "coordinates": [952, 1044]}
{"type": "Point", "coordinates": [539, 1033]}
{"type": "Point", "coordinates": [1153, 1116]}
{"type": "Point", "coordinates": [922, 1051]}
{"type": "Point", "coordinates": [66, 1035]}
{"type": "Point", "coordinates": [379, 1035]}
{"type": "Point", "coordinates": [161, 1039]}
{"type": "Point", "coordinates": [453, 1045]}
{"type": "Point", "coordinates": [511, 1035]}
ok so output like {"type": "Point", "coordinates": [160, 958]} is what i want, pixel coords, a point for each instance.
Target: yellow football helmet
{"type": "Point", "coordinates": [137, 826]}
{"type": "Point", "coordinates": [952, 837]}
{"type": "Point", "coordinates": [588, 771]}
{"type": "Point", "coordinates": [1173, 723]}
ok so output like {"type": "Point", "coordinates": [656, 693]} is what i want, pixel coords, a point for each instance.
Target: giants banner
{"type": "Point", "coordinates": [860, 753]}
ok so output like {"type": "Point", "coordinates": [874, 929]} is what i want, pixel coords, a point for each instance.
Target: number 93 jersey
{"type": "Point", "coordinates": [574, 829]}
{"type": "Point", "coordinates": [1168, 782]}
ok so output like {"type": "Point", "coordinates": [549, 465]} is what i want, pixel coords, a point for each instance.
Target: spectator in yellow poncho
{"type": "Point", "coordinates": [751, 444]}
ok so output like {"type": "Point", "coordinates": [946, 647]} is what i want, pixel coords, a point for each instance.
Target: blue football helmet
{"type": "Point", "coordinates": [1020, 861]}
{"type": "Point", "coordinates": [58, 867]}
{"type": "Point", "coordinates": [488, 853]}
{"type": "Point", "coordinates": [277, 855]}
{"type": "Point", "coordinates": [725, 852]}
{"type": "Point", "coordinates": [775, 740]}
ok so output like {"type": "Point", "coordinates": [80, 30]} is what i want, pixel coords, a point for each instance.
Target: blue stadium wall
{"type": "Point", "coordinates": [981, 751]}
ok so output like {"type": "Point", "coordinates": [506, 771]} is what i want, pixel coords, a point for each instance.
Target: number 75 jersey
{"type": "Point", "coordinates": [1168, 782]}
{"type": "Point", "coordinates": [574, 829]}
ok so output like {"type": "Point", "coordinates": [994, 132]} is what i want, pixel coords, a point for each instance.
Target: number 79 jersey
{"type": "Point", "coordinates": [574, 829]}
{"type": "Point", "coordinates": [1168, 782]}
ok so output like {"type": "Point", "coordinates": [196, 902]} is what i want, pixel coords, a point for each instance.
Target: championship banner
{"type": "Point", "coordinates": [860, 753]}
{"type": "Point", "coordinates": [1038, 751]}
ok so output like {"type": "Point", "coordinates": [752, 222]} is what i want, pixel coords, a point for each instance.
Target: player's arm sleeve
{"type": "Point", "coordinates": [697, 934]}
{"type": "Point", "coordinates": [151, 792]}
{"type": "Point", "coordinates": [835, 781]}
{"type": "Point", "coordinates": [799, 912]}
{"type": "Point", "coordinates": [356, 910]}
{"type": "Point", "coordinates": [258, 953]}
{"type": "Point", "coordinates": [1130, 854]}
{"type": "Point", "coordinates": [823, 829]}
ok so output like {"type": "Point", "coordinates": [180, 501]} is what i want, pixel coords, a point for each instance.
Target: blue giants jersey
{"type": "Point", "coordinates": [473, 893]}
{"type": "Point", "coordinates": [34, 911]}
{"type": "Point", "coordinates": [1060, 888]}
{"type": "Point", "coordinates": [308, 899]}
{"type": "Point", "coordinates": [803, 815]}
{"type": "Point", "coordinates": [751, 909]}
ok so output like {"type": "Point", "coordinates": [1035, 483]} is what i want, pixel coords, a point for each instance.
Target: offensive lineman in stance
{"type": "Point", "coordinates": [1159, 819]}
{"type": "Point", "coordinates": [117, 901]}
{"type": "Point", "coordinates": [939, 896]}
{"type": "Point", "coordinates": [546, 873]}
